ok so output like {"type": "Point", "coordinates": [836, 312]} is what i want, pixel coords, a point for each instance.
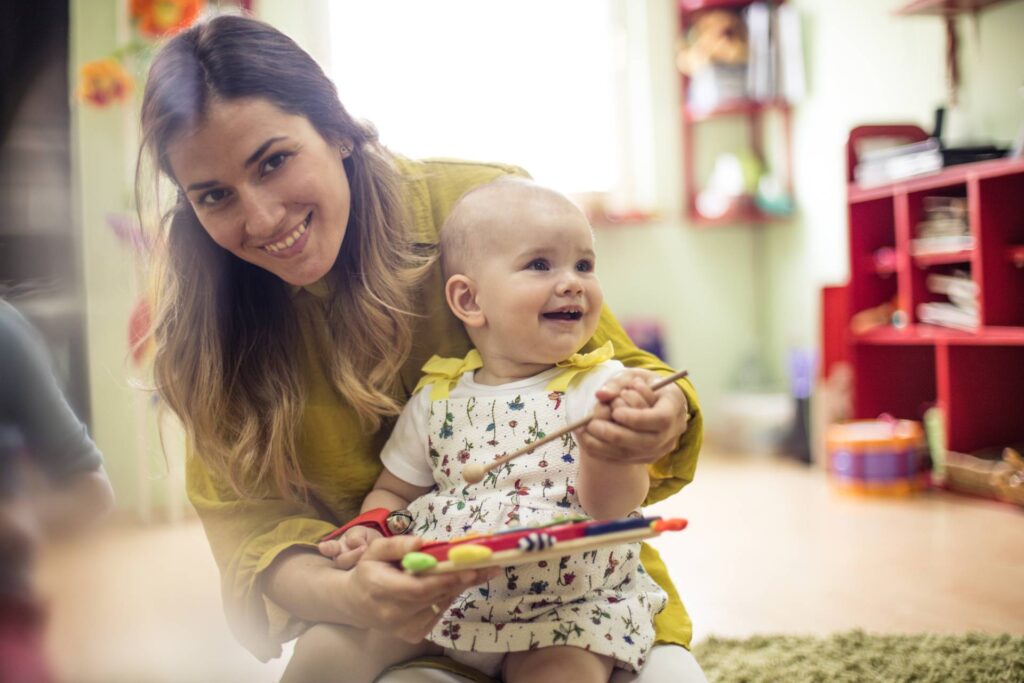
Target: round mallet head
{"type": "Point", "coordinates": [473, 474]}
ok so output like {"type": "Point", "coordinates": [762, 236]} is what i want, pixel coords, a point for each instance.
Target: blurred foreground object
{"type": "Point", "coordinates": [51, 482]}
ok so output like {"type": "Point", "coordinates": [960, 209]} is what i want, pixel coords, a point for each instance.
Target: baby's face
{"type": "Point", "coordinates": [536, 283]}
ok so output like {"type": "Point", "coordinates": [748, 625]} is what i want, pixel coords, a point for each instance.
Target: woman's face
{"type": "Point", "coordinates": [266, 187]}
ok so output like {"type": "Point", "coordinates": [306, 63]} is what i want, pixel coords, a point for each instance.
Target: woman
{"type": "Point", "coordinates": [298, 300]}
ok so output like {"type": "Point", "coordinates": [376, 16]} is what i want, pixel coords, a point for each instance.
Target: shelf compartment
{"type": "Point", "coordinates": [734, 108]}
{"type": "Point", "coordinates": [873, 228]}
{"type": "Point", "coordinates": [895, 379]}
{"type": "Point", "coordinates": [980, 393]}
{"type": "Point", "coordinates": [998, 202]}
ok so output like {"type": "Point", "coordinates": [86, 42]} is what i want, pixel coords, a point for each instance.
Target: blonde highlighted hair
{"type": "Point", "coordinates": [226, 330]}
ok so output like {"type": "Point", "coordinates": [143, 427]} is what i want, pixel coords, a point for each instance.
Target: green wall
{"type": "Point", "coordinates": [104, 144]}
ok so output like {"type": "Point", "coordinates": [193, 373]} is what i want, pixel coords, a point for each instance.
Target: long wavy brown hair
{"type": "Point", "coordinates": [226, 330]}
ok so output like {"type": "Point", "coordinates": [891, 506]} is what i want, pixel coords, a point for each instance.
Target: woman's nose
{"type": "Point", "coordinates": [263, 212]}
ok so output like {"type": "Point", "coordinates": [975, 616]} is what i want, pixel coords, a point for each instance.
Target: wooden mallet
{"type": "Point", "coordinates": [474, 473]}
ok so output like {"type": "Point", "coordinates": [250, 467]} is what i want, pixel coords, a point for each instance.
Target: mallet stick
{"type": "Point", "coordinates": [475, 473]}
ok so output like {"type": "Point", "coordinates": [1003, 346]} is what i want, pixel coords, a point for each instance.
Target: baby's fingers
{"type": "Point", "coordinates": [349, 558]}
{"type": "Point", "coordinates": [330, 548]}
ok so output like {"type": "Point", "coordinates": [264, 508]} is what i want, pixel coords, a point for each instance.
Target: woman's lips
{"type": "Point", "coordinates": [293, 242]}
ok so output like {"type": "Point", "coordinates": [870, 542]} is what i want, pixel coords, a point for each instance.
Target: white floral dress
{"type": "Point", "coordinates": [600, 600]}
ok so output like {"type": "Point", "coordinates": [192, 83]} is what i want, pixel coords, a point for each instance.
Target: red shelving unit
{"type": "Point", "coordinates": [750, 112]}
{"type": "Point", "coordinates": [975, 376]}
{"type": "Point", "coordinates": [945, 7]}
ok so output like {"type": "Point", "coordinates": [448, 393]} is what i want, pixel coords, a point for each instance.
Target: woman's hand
{"type": "Point", "coordinates": [387, 599]}
{"type": "Point", "coordinates": [632, 423]}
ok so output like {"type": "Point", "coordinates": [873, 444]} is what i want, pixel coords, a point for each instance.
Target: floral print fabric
{"type": "Point", "coordinates": [600, 600]}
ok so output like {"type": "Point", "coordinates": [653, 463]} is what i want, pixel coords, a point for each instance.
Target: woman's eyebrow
{"type": "Point", "coordinates": [262, 148]}
{"type": "Point", "coordinates": [201, 186]}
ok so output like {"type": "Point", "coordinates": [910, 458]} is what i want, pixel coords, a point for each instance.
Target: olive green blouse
{"type": "Point", "coordinates": [246, 535]}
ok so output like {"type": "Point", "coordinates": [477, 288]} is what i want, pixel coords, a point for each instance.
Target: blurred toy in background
{"type": "Point", "coordinates": [772, 197]}
{"type": "Point", "coordinates": [713, 55]}
{"type": "Point", "coordinates": [52, 483]}
{"type": "Point", "coordinates": [1009, 479]}
{"type": "Point", "coordinates": [648, 334]}
{"type": "Point", "coordinates": [802, 364]}
{"type": "Point", "coordinates": [885, 457]}
{"type": "Point", "coordinates": [716, 37]}
{"type": "Point", "coordinates": [732, 182]}
{"type": "Point", "coordinates": [831, 402]}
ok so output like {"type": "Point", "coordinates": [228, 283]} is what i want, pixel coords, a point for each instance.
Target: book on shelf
{"type": "Point", "coordinates": [937, 227]}
{"type": "Point", "coordinates": [792, 75]}
{"type": "Point", "coordinates": [939, 206]}
{"type": "Point", "coordinates": [761, 71]}
{"type": "Point", "coordinates": [961, 289]}
{"type": "Point", "coordinates": [948, 315]}
{"type": "Point", "coordinates": [880, 166]}
{"type": "Point", "coordinates": [940, 244]}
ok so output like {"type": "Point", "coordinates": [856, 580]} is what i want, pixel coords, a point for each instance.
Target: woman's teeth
{"type": "Point", "coordinates": [290, 239]}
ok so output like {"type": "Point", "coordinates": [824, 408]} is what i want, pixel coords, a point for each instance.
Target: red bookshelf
{"type": "Point", "coordinates": [975, 376]}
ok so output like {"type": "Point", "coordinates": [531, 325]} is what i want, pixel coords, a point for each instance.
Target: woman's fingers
{"type": "Point", "coordinates": [402, 600]}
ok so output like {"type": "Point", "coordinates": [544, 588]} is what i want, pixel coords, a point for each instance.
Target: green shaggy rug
{"type": "Point", "coordinates": [855, 656]}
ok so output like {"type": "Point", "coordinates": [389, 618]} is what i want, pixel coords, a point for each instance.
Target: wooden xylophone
{"type": "Point", "coordinates": [522, 545]}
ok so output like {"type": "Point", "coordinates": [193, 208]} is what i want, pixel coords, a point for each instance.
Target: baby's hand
{"type": "Point", "coordinates": [632, 423]}
{"type": "Point", "coordinates": [349, 547]}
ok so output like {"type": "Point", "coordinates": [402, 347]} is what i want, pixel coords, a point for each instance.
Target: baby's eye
{"type": "Point", "coordinates": [585, 266]}
{"type": "Point", "coordinates": [212, 198]}
{"type": "Point", "coordinates": [273, 162]}
{"type": "Point", "coordinates": [538, 264]}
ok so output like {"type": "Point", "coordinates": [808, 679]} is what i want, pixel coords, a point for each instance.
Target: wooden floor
{"type": "Point", "coordinates": [769, 549]}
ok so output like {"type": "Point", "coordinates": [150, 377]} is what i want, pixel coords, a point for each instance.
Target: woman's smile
{"type": "Point", "coordinates": [293, 242]}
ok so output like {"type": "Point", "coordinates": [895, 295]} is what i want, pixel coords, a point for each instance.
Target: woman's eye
{"type": "Point", "coordinates": [584, 266]}
{"type": "Point", "coordinates": [212, 198]}
{"type": "Point", "coordinates": [537, 264]}
{"type": "Point", "coordinates": [273, 162]}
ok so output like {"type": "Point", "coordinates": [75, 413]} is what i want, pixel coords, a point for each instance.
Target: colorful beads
{"type": "Point", "coordinates": [418, 562]}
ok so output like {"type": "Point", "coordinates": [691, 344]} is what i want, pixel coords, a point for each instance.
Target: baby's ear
{"type": "Point", "coordinates": [460, 291]}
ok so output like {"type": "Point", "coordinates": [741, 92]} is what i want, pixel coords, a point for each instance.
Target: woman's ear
{"type": "Point", "coordinates": [460, 291]}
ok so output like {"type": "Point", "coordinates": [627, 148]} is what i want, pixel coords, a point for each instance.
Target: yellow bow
{"type": "Point", "coordinates": [579, 363]}
{"type": "Point", "coordinates": [444, 373]}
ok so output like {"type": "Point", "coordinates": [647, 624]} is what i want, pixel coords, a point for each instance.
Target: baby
{"type": "Point", "coordinates": [520, 267]}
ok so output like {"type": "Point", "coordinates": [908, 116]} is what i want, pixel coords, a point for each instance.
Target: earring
{"type": "Point", "coordinates": [345, 151]}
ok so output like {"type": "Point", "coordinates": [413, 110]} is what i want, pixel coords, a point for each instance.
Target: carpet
{"type": "Point", "coordinates": [856, 656]}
